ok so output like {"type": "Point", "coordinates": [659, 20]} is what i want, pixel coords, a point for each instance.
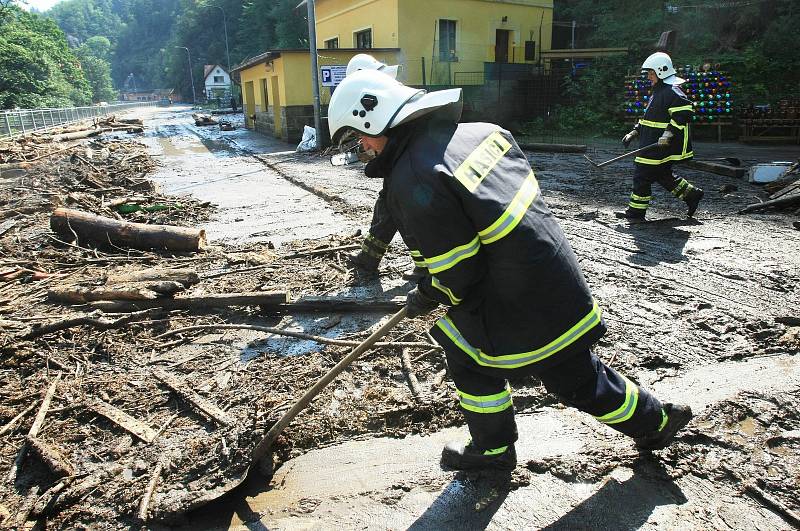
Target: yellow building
{"type": "Point", "coordinates": [276, 88]}
{"type": "Point", "coordinates": [442, 42]}
{"type": "Point", "coordinates": [436, 42]}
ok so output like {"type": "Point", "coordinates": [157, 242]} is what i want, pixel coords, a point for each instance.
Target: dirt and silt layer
{"type": "Point", "coordinates": [685, 301]}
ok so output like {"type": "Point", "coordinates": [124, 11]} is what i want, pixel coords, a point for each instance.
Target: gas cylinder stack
{"type": "Point", "coordinates": [709, 88]}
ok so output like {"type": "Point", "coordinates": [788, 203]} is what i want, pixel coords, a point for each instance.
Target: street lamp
{"type": "Point", "coordinates": [191, 77]}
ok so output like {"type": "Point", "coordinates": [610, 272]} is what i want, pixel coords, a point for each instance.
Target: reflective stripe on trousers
{"type": "Point", "coordinates": [521, 359]}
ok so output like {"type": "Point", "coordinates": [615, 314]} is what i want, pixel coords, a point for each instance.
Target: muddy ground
{"type": "Point", "coordinates": [702, 311]}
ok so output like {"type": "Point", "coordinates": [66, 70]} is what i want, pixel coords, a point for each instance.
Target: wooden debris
{"type": "Point", "coordinates": [93, 319]}
{"type": "Point", "coordinates": [123, 420]}
{"type": "Point", "coordinates": [343, 304]}
{"type": "Point", "coordinates": [56, 499]}
{"type": "Point", "coordinates": [10, 424]}
{"type": "Point", "coordinates": [35, 427]}
{"type": "Point", "coordinates": [144, 504]}
{"type": "Point", "coordinates": [50, 456]}
{"type": "Point", "coordinates": [408, 370]}
{"type": "Point", "coordinates": [7, 226]}
{"type": "Point", "coordinates": [103, 231]}
{"type": "Point", "coordinates": [289, 333]}
{"type": "Point", "coordinates": [719, 169]}
{"type": "Point", "coordinates": [203, 119]}
{"type": "Point", "coordinates": [323, 250]}
{"type": "Point", "coordinates": [187, 277]}
{"type": "Point", "coordinates": [64, 137]}
{"type": "Point", "coordinates": [193, 398]}
{"type": "Point", "coordinates": [782, 201]}
{"type": "Point", "coordinates": [200, 302]}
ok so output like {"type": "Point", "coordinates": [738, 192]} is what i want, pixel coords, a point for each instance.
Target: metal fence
{"type": "Point", "coordinates": [24, 121]}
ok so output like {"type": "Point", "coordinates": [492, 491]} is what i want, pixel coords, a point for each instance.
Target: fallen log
{"type": "Point", "coordinates": [719, 169]}
{"type": "Point", "coordinates": [78, 135]}
{"type": "Point", "coordinates": [269, 299]}
{"type": "Point", "coordinates": [187, 277]}
{"type": "Point", "coordinates": [103, 230]}
{"type": "Point", "coordinates": [132, 291]}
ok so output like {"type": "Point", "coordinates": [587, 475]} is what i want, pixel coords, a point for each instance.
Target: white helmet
{"type": "Point", "coordinates": [365, 61]}
{"type": "Point", "coordinates": [661, 63]}
{"type": "Point", "coordinates": [372, 102]}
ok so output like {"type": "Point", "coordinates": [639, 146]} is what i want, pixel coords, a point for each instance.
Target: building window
{"type": "Point", "coordinates": [332, 44]}
{"type": "Point", "coordinates": [530, 50]}
{"type": "Point", "coordinates": [219, 79]}
{"type": "Point", "coordinates": [364, 39]}
{"type": "Point", "coordinates": [447, 40]}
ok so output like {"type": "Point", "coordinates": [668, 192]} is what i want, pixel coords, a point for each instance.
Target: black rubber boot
{"type": "Point", "coordinates": [462, 456]}
{"type": "Point", "coordinates": [634, 214]}
{"type": "Point", "coordinates": [415, 274]}
{"type": "Point", "coordinates": [363, 261]}
{"type": "Point", "coordinates": [677, 417]}
{"type": "Point", "coordinates": [692, 199]}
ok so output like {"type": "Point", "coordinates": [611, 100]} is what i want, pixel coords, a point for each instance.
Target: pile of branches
{"type": "Point", "coordinates": [122, 418]}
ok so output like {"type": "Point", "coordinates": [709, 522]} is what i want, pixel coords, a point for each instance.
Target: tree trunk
{"type": "Point", "coordinates": [264, 298]}
{"type": "Point", "coordinates": [102, 230]}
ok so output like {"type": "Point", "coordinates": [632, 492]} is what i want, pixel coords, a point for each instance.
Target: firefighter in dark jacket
{"type": "Point", "coordinates": [382, 229]}
{"type": "Point", "coordinates": [466, 197]}
{"type": "Point", "coordinates": [665, 122]}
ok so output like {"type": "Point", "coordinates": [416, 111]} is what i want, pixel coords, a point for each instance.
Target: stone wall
{"type": "Point", "coordinates": [293, 119]}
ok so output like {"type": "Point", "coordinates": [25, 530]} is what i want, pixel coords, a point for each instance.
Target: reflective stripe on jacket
{"type": "Point", "coordinates": [669, 109]}
{"type": "Point", "coordinates": [494, 251]}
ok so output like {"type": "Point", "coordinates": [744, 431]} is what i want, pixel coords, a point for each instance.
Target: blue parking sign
{"type": "Point", "coordinates": [332, 75]}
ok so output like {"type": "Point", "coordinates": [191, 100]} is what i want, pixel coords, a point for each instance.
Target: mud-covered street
{"type": "Point", "coordinates": [702, 311]}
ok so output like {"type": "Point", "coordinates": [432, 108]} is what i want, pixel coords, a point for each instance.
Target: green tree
{"type": "Point", "coordinates": [37, 67]}
{"type": "Point", "coordinates": [94, 55]}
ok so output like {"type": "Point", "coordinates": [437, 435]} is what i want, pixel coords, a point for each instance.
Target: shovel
{"type": "Point", "coordinates": [624, 156]}
{"type": "Point", "coordinates": [309, 395]}
{"type": "Point", "coordinates": [263, 447]}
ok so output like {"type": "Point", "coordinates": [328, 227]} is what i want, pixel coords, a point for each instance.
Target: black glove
{"type": "Point", "coordinates": [418, 303]}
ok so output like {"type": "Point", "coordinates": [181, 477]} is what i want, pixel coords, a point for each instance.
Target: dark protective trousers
{"type": "Point", "coordinates": [581, 381]}
{"type": "Point", "coordinates": [645, 175]}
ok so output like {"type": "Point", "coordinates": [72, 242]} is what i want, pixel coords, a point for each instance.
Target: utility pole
{"type": "Point", "coordinates": [225, 26]}
{"type": "Point", "coordinates": [573, 35]}
{"type": "Point", "coordinates": [191, 77]}
{"type": "Point", "coordinates": [312, 44]}
{"type": "Point", "coordinates": [227, 53]}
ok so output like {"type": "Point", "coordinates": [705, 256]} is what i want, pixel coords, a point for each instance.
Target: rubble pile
{"type": "Point", "coordinates": [134, 415]}
{"type": "Point", "coordinates": [784, 192]}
